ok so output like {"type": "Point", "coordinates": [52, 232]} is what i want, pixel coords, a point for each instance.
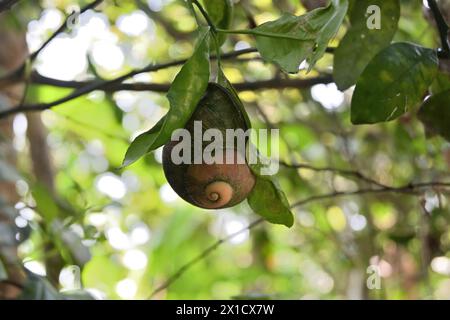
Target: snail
{"type": "Point", "coordinates": [222, 183]}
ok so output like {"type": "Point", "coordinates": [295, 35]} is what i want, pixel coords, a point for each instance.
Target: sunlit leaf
{"type": "Point", "coordinates": [140, 145]}
{"type": "Point", "coordinates": [184, 95]}
{"type": "Point", "coordinates": [221, 13]}
{"type": "Point", "coordinates": [307, 36]}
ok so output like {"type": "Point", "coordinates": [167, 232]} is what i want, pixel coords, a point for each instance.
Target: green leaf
{"type": "Point", "coordinates": [140, 145]}
{"type": "Point", "coordinates": [291, 39]}
{"type": "Point", "coordinates": [269, 201]}
{"type": "Point", "coordinates": [393, 82]}
{"type": "Point", "coordinates": [360, 43]}
{"type": "Point", "coordinates": [184, 94]}
{"type": "Point", "coordinates": [45, 203]}
{"type": "Point", "coordinates": [435, 114]}
{"type": "Point", "coordinates": [38, 288]}
{"type": "Point", "coordinates": [221, 14]}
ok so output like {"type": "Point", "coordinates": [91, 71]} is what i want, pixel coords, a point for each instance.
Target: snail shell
{"type": "Point", "coordinates": [217, 185]}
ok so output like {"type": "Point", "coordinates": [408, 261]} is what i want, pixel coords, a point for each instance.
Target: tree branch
{"type": "Point", "coordinates": [114, 85]}
{"type": "Point", "coordinates": [344, 172]}
{"type": "Point", "coordinates": [410, 189]}
{"type": "Point", "coordinates": [442, 26]}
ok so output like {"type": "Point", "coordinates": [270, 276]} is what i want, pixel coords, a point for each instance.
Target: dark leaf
{"type": "Point", "coordinates": [269, 201]}
{"type": "Point", "coordinates": [221, 14]}
{"type": "Point", "coordinates": [140, 145]}
{"type": "Point", "coordinates": [360, 43]}
{"type": "Point", "coordinates": [393, 82]}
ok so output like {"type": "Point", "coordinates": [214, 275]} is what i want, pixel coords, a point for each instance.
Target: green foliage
{"type": "Point", "coordinates": [393, 83]}
{"type": "Point", "coordinates": [435, 114]}
{"type": "Point", "coordinates": [269, 201]}
{"type": "Point", "coordinates": [291, 39]}
{"type": "Point", "coordinates": [360, 43]}
{"type": "Point", "coordinates": [129, 233]}
{"type": "Point", "coordinates": [184, 95]}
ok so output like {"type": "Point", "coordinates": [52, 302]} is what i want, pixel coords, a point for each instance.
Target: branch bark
{"type": "Point", "coordinates": [442, 26]}
{"type": "Point", "coordinates": [83, 88]}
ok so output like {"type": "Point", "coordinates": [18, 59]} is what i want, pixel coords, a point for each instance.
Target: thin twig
{"type": "Point", "coordinates": [345, 172]}
{"type": "Point", "coordinates": [15, 78]}
{"type": "Point", "coordinates": [410, 189]}
{"type": "Point", "coordinates": [205, 15]}
{"type": "Point", "coordinates": [201, 256]}
{"type": "Point", "coordinates": [442, 25]}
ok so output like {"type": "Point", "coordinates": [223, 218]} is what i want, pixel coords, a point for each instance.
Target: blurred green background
{"type": "Point", "coordinates": [129, 232]}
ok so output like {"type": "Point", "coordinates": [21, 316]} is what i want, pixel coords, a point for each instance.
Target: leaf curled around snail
{"type": "Point", "coordinates": [218, 184]}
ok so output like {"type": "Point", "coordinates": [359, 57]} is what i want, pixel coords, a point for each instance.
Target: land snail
{"type": "Point", "coordinates": [220, 184]}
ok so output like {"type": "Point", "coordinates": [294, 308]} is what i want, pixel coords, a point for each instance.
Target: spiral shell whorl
{"type": "Point", "coordinates": [219, 193]}
{"type": "Point", "coordinates": [219, 184]}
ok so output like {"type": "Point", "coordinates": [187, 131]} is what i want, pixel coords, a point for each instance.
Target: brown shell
{"type": "Point", "coordinates": [211, 186]}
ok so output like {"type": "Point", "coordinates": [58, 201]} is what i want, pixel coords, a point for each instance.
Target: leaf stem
{"type": "Point", "coordinates": [261, 33]}
{"type": "Point", "coordinates": [442, 25]}
{"type": "Point", "coordinates": [213, 29]}
{"type": "Point", "coordinates": [205, 15]}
